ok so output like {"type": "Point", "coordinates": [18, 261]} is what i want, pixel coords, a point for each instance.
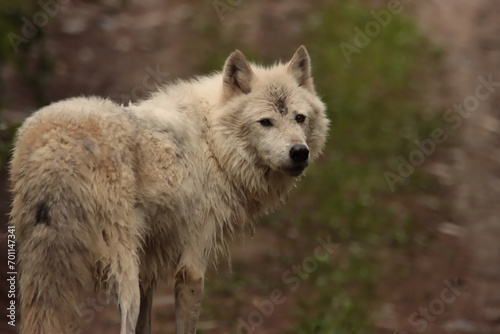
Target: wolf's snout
{"type": "Point", "coordinates": [299, 153]}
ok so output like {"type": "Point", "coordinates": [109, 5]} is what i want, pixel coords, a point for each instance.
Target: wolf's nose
{"type": "Point", "coordinates": [299, 153]}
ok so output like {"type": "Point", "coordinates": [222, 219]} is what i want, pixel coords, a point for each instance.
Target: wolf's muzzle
{"type": "Point", "coordinates": [299, 153]}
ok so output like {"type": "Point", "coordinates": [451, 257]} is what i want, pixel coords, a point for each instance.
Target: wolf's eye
{"type": "Point", "coordinates": [300, 118]}
{"type": "Point", "coordinates": [266, 122]}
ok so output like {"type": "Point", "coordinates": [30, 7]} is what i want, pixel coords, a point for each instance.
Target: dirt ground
{"type": "Point", "coordinates": [143, 38]}
{"type": "Point", "coordinates": [468, 32]}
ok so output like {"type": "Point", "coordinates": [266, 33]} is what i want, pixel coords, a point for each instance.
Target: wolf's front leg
{"type": "Point", "coordinates": [188, 296]}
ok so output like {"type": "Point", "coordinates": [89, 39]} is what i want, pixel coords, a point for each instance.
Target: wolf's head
{"type": "Point", "coordinates": [270, 118]}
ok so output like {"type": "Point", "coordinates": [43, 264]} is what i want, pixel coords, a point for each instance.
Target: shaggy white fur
{"type": "Point", "coordinates": [123, 196]}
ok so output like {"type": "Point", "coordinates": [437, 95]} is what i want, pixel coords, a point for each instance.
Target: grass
{"type": "Point", "coordinates": [377, 107]}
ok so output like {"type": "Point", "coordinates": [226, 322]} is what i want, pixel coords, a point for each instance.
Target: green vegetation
{"type": "Point", "coordinates": [377, 107]}
{"type": "Point", "coordinates": [7, 133]}
{"type": "Point", "coordinates": [30, 60]}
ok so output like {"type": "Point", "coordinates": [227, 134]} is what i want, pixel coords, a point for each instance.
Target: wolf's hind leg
{"type": "Point", "coordinates": [144, 321]}
{"type": "Point", "coordinates": [125, 272]}
{"type": "Point", "coordinates": [129, 311]}
{"type": "Point", "coordinates": [188, 296]}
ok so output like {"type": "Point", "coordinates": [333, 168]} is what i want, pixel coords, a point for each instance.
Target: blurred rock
{"type": "Point", "coordinates": [386, 317]}
{"type": "Point", "coordinates": [464, 326]}
{"type": "Point", "coordinates": [490, 123]}
{"type": "Point", "coordinates": [443, 172]}
{"type": "Point", "coordinates": [451, 229]}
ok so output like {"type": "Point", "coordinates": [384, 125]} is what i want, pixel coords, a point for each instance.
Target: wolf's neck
{"type": "Point", "coordinates": [257, 188]}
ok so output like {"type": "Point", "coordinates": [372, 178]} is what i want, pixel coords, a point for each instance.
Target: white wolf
{"type": "Point", "coordinates": [120, 197]}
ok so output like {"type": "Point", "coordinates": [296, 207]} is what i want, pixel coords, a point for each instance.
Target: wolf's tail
{"type": "Point", "coordinates": [54, 268]}
{"type": "Point", "coordinates": [54, 249]}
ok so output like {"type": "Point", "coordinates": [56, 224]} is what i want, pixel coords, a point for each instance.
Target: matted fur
{"type": "Point", "coordinates": [113, 196]}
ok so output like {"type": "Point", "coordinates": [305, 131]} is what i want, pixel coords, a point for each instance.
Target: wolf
{"type": "Point", "coordinates": [118, 197]}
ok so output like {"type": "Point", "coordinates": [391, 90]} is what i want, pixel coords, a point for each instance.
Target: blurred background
{"type": "Point", "coordinates": [406, 191]}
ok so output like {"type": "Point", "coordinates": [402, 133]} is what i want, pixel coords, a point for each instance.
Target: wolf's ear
{"type": "Point", "coordinates": [300, 68]}
{"type": "Point", "coordinates": [237, 75]}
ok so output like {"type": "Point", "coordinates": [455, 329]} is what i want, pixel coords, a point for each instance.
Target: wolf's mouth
{"type": "Point", "coordinates": [295, 170]}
